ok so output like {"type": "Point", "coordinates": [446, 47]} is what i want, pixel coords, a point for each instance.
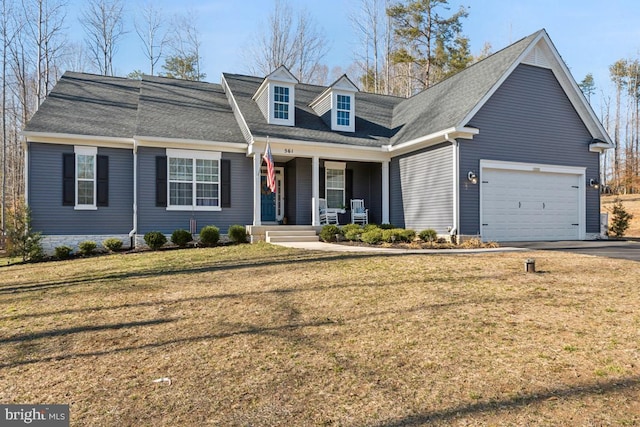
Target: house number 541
{"type": "Point", "coordinates": [288, 151]}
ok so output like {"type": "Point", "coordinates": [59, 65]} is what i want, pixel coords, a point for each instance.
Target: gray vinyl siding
{"type": "Point", "coordinates": [421, 189]}
{"type": "Point", "coordinates": [323, 109]}
{"type": "Point", "coordinates": [263, 103]}
{"type": "Point", "coordinates": [50, 217]}
{"type": "Point", "coordinates": [529, 119]}
{"type": "Point", "coordinates": [303, 191]}
{"type": "Point", "coordinates": [367, 185]}
{"type": "Point", "coordinates": [153, 218]}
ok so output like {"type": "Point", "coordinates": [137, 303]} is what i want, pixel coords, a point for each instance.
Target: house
{"type": "Point", "coordinates": [507, 149]}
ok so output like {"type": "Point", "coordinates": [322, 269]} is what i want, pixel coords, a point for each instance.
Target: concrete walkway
{"type": "Point", "coordinates": [332, 247]}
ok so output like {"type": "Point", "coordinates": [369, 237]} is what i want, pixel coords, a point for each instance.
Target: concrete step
{"type": "Point", "coordinates": [291, 236]}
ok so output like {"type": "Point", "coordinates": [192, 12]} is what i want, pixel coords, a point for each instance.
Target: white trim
{"type": "Point", "coordinates": [385, 192]}
{"type": "Point", "coordinates": [193, 155]}
{"type": "Point", "coordinates": [291, 118]}
{"type": "Point", "coordinates": [335, 165]}
{"type": "Point", "coordinates": [432, 139]}
{"type": "Point", "coordinates": [82, 150]}
{"type": "Point", "coordinates": [351, 127]}
{"type": "Point", "coordinates": [190, 144]}
{"type": "Point", "coordinates": [294, 148]}
{"type": "Point", "coordinates": [564, 77]}
{"type": "Point", "coordinates": [244, 127]}
{"type": "Point", "coordinates": [341, 166]}
{"type": "Point", "coordinates": [257, 184]}
{"type": "Point", "coordinates": [73, 139]}
{"type": "Point", "coordinates": [539, 167]}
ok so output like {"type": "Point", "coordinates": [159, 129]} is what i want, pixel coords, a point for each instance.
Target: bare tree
{"type": "Point", "coordinates": [184, 60]}
{"type": "Point", "coordinates": [76, 57]}
{"type": "Point", "coordinates": [150, 31]}
{"type": "Point", "coordinates": [104, 27]}
{"type": "Point", "coordinates": [289, 40]}
{"type": "Point", "coordinates": [46, 34]}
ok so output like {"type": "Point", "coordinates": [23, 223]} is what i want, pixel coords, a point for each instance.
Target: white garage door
{"type": "Point", "coordinates": [522, 205]}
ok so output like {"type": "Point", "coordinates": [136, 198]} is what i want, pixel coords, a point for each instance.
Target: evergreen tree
{"type": "Point", "coordinates": [620, 220]}
{"type": "Point", "coordinates": [182, 67]}
{"type": "Point", "coordinates": [588, 86]}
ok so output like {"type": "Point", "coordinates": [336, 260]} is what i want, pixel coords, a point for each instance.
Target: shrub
{"type": "Point", "coordinates": [386, 226]}
{"type": "Point", "coordinates": [181, 237]}
{"type": "Point", "coordinates": [112, 244]}
{"type": "Point", "coordinates": [237, 233]}
{"type": "Point", "coordinates": [398, 235]}
{"type": "Point", "coordinates": [21, 239]}
{"type": "Point", "coordinates": [372, 236]}
{"type": "Point", "coordinates": [87, 247]}
{"type": "Point", "coordinates": [328, 233]}
{"type": "Point", "coordinates": [63, 252]}
{"type": "Point", "coordinates": [352, 232]}
{"type": "Point", "coordinates": [428, 235]}
{"type": "Point", "coordinates": [620, 220]}
{"type": "Point", "coordinates": [155, 239]}
{"type": "Point", "coordinates": [369, 227]}
{"type": "Point", "coordinates": [209, 235]}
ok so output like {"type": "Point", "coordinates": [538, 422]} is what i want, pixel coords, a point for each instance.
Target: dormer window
{"type": "Point", "coordinates": [280, 102]}
{"type": "Point", "coordinates": [276, 97]}
{"type": "Point", "coordinates": [343, 110]}
{"type": "Point", "coordinates": [336, 105]}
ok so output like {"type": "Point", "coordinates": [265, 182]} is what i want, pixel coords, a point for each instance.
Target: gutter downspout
{"type": "Point", "coordinates": [453, 233]}
{"type": "Point", "coordinates": [133, 232]}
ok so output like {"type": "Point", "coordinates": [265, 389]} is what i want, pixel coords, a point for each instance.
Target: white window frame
{"type": "Point", "coordinates": [88, 152]}
{"type": "Point", "coordinates": [290, 120]}
{"type": "Point", "coordinates": [351, 127]}
{"type": "Point", "coordinates": [343, 110]}
{"type": "Point", "coordinates": [340, 166]}
{"type": "Point", "coordinates": [193, 155]}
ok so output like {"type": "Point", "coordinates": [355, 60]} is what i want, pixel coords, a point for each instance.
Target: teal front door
{"type": "Point", "coordinates": [267, 201]}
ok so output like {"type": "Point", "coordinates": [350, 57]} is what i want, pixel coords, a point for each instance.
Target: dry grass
{"type": "Point", "coordinates": [631, 203]}
{"type": "Point", "coordinates": [259, 335]}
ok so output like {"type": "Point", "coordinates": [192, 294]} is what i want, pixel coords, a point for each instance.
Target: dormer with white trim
{"type": "Point", "coordinates": [276, 97]}
{"type": "Point", "coordinates": [337, 105]}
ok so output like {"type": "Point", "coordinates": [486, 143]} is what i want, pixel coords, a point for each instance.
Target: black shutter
{"type": "Point", "coordinates": [323, 184]}
{"type": "Point", "coordinates": [161, 181]}
{"type": "Point", "coordinates": [68, 179]}
{"type": "Point", "coordinates": [103, 180]}
{"type": "Point", "coordinates": [348, 188]}
{"type": "Point", "coordinates": [225, 183]}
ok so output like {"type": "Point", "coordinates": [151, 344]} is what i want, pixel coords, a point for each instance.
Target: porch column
{"type": "Point", "coordinates": [315, 190]}
{"type": "Point", "coordinates": [385, 192]}
{"type": "Point", "coordinates": [257, 213]}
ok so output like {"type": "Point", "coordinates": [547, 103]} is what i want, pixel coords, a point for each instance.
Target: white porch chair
{"type": "Point", "coordinates": [359, 214]}
{"type": "Point", "coordinates": [327, 216]}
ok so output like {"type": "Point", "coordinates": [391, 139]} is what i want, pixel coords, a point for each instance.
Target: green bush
{"type": "Point", "coordinates": [112, 244]}
{"type": "Point", "coordinates": [88, 247]}
{"type": "Point", "coordinates": [209, 235]}
{"type": "Point", "coordinates": [386, 226]}
{"type": "Point", "coordinates": [369, 227]}
{"type": "Point", "coordinates": [21, 239]}
{"type": "Point", "coordinates": [620, 220]}
{"type": "Point", "coordinates": [428, 235]}
{"type": "Point", "coordinates": [181, 238]}
{"type": "Point", "coordinates": [155, 239]}
{"type": "Point", "coordinates": [63, 252]}
{"type": "Point", "coordinates": [398, 235]}
{"type": "Point", "coordinates": [328, 233]}
{"type": "Point", "coordinates": [352, 232]}
{"type": "Point", "coordinates": [237, 233]}
{"type": "Point", "coordinates": [373, 236]}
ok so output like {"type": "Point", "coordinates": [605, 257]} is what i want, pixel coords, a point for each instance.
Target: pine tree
{"type": "Point", "coordinates": [620, 220]}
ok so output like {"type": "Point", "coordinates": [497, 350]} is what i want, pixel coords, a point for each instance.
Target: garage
{"type": "Point", "coordinates": [529, 202]}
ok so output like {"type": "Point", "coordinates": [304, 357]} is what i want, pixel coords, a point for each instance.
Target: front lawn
{"type": "Point", "coordinates": [257, 335]}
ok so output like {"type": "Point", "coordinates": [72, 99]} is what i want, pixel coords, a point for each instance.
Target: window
{"type": "Point", "coordinates": [335, 184]}
{"type": "Point", "coordinates": [194, 180]}
{"type": "Point", "coordinates": [281, 102]}
{"type": "Point", "coordinates": [85, 185]}
{"type": "Point", "coordinates": [343, 110]}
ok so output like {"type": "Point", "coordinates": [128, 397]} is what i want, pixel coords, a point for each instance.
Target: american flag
{"type": "Point", "coordinates": [271, 173]}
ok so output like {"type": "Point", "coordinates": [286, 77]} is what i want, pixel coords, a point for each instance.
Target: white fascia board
{"type": "Point", "coordinates": [190, 144]}
{"type": "Point", "coordinates": [599, 147]}
{"type": "Point", "coordinates": [237, 113]}
{"type": "Point", "coordinates": [564, 77]}
{"type": "Point", "coordinates": [74, 139]}
{"type": "Point", "coordinates": [432, 139]}
{"type": "Point", "coordinates": [296, 148]}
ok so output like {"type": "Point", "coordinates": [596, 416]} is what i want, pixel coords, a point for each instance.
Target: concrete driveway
{"type": "Point", "coordinates": [623, 249]}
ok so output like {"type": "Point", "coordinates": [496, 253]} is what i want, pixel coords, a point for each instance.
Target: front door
{"type": "Point", "coordinates": [272, 204]}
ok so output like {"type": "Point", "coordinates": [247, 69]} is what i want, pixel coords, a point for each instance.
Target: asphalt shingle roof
{"type": "Point", "coordinates": [86, 104]}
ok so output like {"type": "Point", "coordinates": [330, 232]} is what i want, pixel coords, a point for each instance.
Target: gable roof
{"type": "Point", "coordinates": [373, 115]}
{"type": "Point", "coordinates": [87, 104]}
{"type": "Point", "coordinates": [93, 105]}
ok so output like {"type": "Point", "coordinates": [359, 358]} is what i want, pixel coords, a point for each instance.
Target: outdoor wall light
{"type": "Point", "coordinates": [593, 183]}
{"type": "Point", "coordinates": [472, 177]}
